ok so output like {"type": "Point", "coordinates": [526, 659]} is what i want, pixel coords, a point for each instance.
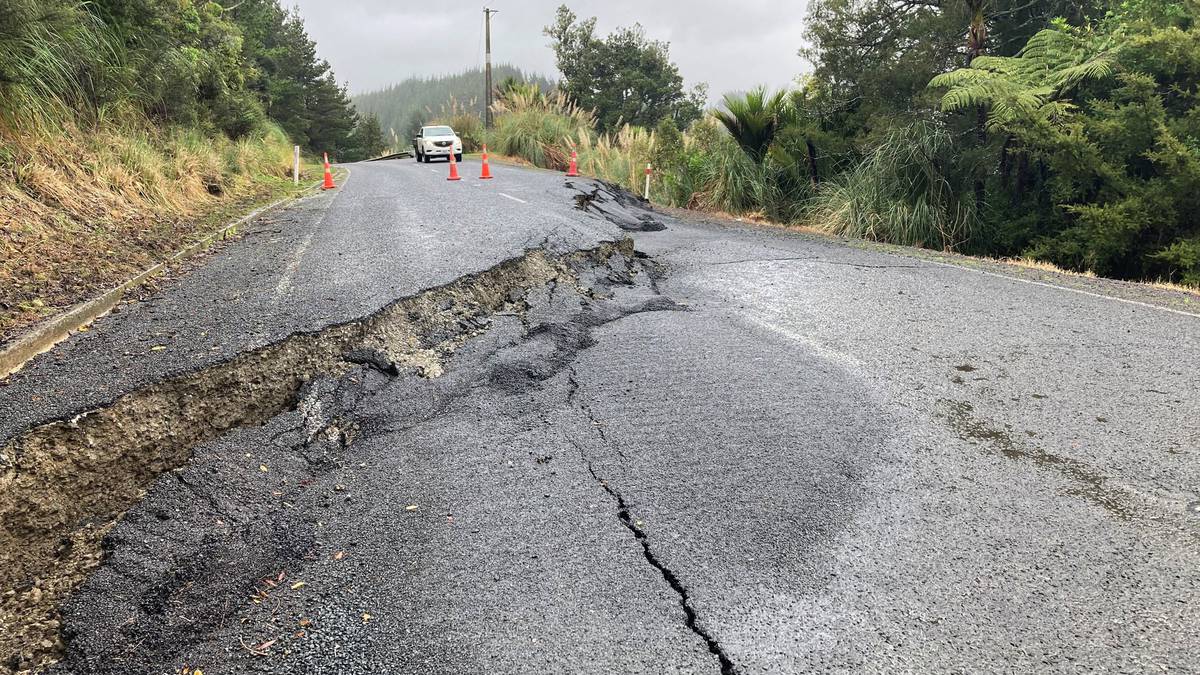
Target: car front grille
{"type": "Point", "coordinates": [443, 144]}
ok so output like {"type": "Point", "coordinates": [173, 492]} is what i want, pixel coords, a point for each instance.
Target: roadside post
{"type": "Point", "coordinates": [296, 165]}
{"type": "Point", "coordinates": [648, 171]}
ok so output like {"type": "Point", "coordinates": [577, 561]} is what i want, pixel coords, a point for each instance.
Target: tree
{"type": "Point", "coordinates": [333, 118]}
{"type": "Point", "coordinates": [1100, 124]}
{"type": "Point", "coordinates": [625, 78]}
{"type": "Point", "coordinates": [297, 89]}
{"type": "Point", "coordinates": [405, 106]}
{"type": "Point", "coordinates": [875, 57]}
{"type": "Point", "coordinates": [182, 61]}
{"type": "Point", "coordinates": [1013, 91]}
{"type": "Point", "coordinates": [755, 118]}
{"type": "Point", "coordinates": [369, 141]}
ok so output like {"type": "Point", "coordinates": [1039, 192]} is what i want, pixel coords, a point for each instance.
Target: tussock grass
{"type": "Point", "coordinates": [618, 158]}
{"type": "Point", "coordinates": [906, 191]}
{"type": "Point", "coordinates": [539, 128]}
{"type": "Point", "coordinates": [53, 56]}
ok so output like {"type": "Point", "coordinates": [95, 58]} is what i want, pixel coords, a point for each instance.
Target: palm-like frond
{"type": "Point", "coordinates": [755, 118]}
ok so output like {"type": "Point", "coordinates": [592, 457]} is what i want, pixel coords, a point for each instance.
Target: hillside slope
{"type": "Point", "coordinates": [404, 106]}
{"type": "Point", "coordinates": [128, 128]}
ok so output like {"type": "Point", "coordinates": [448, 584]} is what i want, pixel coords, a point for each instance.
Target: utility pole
{"type": "Point", "coordinates": [487, 67]}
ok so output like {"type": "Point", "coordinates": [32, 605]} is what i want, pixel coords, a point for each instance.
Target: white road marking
{"type": "Point", "coordinates": [512, 198]}
{"type": "Point", "coordinates": [285, 281]}
{"type": "Point", "coordinates": [1101, 296]}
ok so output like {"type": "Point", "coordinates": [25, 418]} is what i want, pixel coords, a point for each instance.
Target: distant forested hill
{"type": "Point", "coordinates": [405, 106]}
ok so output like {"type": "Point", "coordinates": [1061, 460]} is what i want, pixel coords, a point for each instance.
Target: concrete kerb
{"type": "Point", "coordinates": [43, 337]}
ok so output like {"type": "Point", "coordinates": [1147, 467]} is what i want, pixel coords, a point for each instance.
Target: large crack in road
{"type": "Point", "coordinates": [180, 570]}
{"type": "Point", "coordinates": [66, 484]}
{"type": "Point", "coordinates": [550, 466]}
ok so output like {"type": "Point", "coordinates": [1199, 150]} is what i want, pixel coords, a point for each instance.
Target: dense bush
{"type": "Point", "coordinates": [185, 63]}
{"type": "Point", "coordinates": [1063, 131]}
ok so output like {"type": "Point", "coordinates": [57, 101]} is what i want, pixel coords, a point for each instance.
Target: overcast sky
{"type": "Point", "coordinates": [730, 44]}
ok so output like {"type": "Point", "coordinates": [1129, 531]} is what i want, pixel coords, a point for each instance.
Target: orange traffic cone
{"type": "Point", "coordinates": [487, 171]}
{"type": "Point", "coordinates": [573, 171]}
{"type": "Point", "coordinates": [453, 167]}
{"type": "Point", "coordinates": [328, 175]}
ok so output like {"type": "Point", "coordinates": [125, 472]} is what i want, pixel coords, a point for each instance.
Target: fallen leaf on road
{"type": "Point", "coordinates": [158, 348]}
{"type": "Point", "coordinates": [339, 555]}
{"type": "Point", "coordinates": [263, 468]}
{"type": "Point", "coordinates": [260, 650]}
{"type": "Point", "coordinates": [298, 585]}
{"type": "Point", "coordinates": [411, 507]}
{"type": "Point", "coordinates": [367, 617]}
{"type": "Point", "coordinates": [305, 622]}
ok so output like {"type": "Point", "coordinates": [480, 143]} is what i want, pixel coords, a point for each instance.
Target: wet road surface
{"type": "Point", "coordinates": [710, 449]}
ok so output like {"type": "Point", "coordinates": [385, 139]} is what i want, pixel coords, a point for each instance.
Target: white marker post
{"type": "Point", "coordinates": [648, 170]}
{"type": "Point", "coordinates": [296, 165]}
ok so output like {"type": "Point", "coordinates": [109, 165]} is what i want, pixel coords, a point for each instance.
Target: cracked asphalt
{"type": "Point", "coordinates": [741, 450]}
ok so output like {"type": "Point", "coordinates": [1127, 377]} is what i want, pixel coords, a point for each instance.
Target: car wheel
{"type": "Point", "coordinates": [458, 157]}
{"type": "Point", "coordinates": [417, 155]}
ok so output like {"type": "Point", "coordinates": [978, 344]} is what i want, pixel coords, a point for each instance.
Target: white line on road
{"type": "Point", "coordinates": [512, 198]}
{"type": "Point", "coordinates": [1101, 296]}
{"type": "Point", "coordinates": [285, 281]}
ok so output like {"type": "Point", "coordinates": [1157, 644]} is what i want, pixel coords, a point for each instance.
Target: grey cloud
{"type": "Point", "coordinates": [730, 45]}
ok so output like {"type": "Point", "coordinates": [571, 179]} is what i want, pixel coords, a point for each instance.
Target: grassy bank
{"type": "Point", "coordinates": [83, 209]}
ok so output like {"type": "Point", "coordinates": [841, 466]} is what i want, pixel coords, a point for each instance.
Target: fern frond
{"type": "Point", "coordinates": [1052, 63]}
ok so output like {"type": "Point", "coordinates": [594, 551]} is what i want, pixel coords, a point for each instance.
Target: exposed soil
{"type": "Point", "coordinates": [63, 485]}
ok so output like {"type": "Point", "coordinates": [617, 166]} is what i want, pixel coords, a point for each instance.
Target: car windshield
{"type": "Point", "coordinates": [439, 131]}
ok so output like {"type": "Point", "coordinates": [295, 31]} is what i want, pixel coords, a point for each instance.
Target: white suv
{"type": "Point", "coordinates": [437, 141]}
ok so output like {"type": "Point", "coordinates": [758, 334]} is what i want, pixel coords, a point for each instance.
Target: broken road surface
{"type": "Point", "coordinates": [529, 426]}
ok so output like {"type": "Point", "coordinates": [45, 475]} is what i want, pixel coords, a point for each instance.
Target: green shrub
{"type": "Point", "coordinates": [539, 129]}
{"type": "Point", "coordinates": [908, 190]}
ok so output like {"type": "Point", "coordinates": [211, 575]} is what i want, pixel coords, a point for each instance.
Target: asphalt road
{"type": "Point", "coordinates": [741, 450]}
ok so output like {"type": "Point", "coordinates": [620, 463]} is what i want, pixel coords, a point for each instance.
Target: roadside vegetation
{"type": "Point", "coordinates": [1061, 132]}
{"type": "Point", "coordinates": [127, 126]}
{"type": "Point", "coordinates": [403, 108]}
